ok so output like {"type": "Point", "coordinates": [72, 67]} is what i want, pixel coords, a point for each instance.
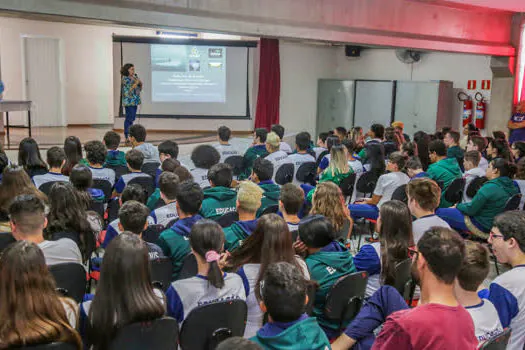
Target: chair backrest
{"type": "Point", "coordinates": [161, 334]}
{"type": "Point", "coordinates": [228, 219]}
{"type": "Point", "coordinates": [161, 271]}
{"type": "Point", "coordinates": [113, 208]}
{"type": "Point", "coordinates": [146, 182]}
{"type": "Point", "coordinates": [400, 194]}
{"type": "Point", "coordinates": [499, 342]}
{"type": "Point", "coordinates": [119, 170]}
{"type": "Point", "coordinates": [104, 186]}
{"type": "Point", "coordinates": [321, 156]}
{"type": "Point", "coordinates": [284, 174]}
{"type": "Point", "coordinates": [237, 164]}
{"type": "Point", "coordinates": [51, 346]}
{"type": "Point", "coordinates": [367, 182]}
{"type": "Point", "coordinates": [454, 191]}
{"type": "Point", "coordinates": [207, 325]}
{"type": "Point", "coordinates": [150, 169]}
{"type": "Point", "coordinates": [345, 298]}
{"type": "Point", "coordinates": [474, 185]}
{"type": "Point", "coordinates": [71, 278]}
{"type": "Point", "coordinates": [97, 207]}
{"type": "Point", "coordinates": [272, 209]}
{"type": "Point", "coordinates": [5, 240]}
{"type": "Point", "coordinates": [46, 187]}
{"type": "Point", "coordinates": [189, 267]}
{"type": "Point", "coordinates": [347, 185]}
{"type": "Point", "coordinates": [403, 275]}
{"type": "Point", "coordinates": [306, 173]}
{"type": "Point", "coordinates": [513, 202]}
{"type": "Point", "coordinates": [152, 233]}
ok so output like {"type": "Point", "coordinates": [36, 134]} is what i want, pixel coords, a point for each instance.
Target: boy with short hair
{"type": "Point", "coordinates": [174, 241]}
{"type": "Point", "coordinates": [137, 136]}
{"type": "Point", "coordinates": [168, 183]}
{"type": "Point", "coordinates": [451, 140]}
{"type": "Point", "coordinates": [442, 169]}
{"type": "Point", "coordinates": [134, 160]}
{"type": "Point", "coordinates": [321, 145]}
{"type": "Point", "coordinates": [415, 169]}
{"type": "Point", "coordinates": [258, 149]}
{"type": "Point", "coordinates": [56, 158]}
{"type": "Point", "coordinates": [249, 199]}
{"type": "Point", "coordinates": [340, 132]}
{"type": "Point", "coordinates": [133, 217]}
{"type": "Point", "coordinates": [262, 176]}
{"type": "Point", "coordinates": [279, 130]}
{"type": "Point", "coordinates": [220, 198]}
{"type": "Point", "coordinates": [291, 201]}
{"type": "Point", "coordinates": [167, 150]}
{"type": "Point", "coordinates": [224, 147]}
{"type": "Point", "coordinates": [114, 157]}
{"type": "Point", "coordinates": [302, 143]}
{"type": "Point", "coordinates": [283, 296]}
{"type": "Point", "coordinates": [96, 156]}
{"type": "Point", "coordinates": [478, 143]}
{"type": "Point", "coordinates": [472, 170]}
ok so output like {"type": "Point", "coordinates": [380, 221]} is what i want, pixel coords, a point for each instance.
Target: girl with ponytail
{"type": "Point", "coordinates": [210, 284]}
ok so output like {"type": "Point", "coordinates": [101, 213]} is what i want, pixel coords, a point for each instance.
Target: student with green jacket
{"type": "Point", "coordinates": [248, 202]}
{"type": "Point", "coordinates": [327, 261]}
{"type": "Point", "coordinates": [175, 240]}
{"type": "Point", "coordinates": [262, 175]}
{"type": "Point", "coordinates": [451, 140]}
{"type": "Point", "coordinates": [257, 150]}
{"type": "Point", "coordinates": [219, 199]}
{"type": "Point", "coordinates": [283, 296]}
{"type": "Point", "coordinates": [442, 170]}
{"type": "Point", "coordinates": [478, 215]}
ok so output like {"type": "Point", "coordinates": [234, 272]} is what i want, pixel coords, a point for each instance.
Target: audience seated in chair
{"type": "Point", "coordinates": [379, 259]}
{"type": "Point", "coordinates": [472, 170]}
{"type": "Point", "coordinates": [248, 202]}
{"type": "Point", "coordinates": [291, 201]}
{"type": "Point", "coordinates": [168, 183]}
{"type": "Point", "coordinates": [338, 168]}
{"type": "Point", "coordinates": [238, 343]}
{"type": "Point", "coordinates": [28, 221]}
{"type": "Point", "coordinates": [134, 159]}
{"type": "Point", "coordinates": [82, 179]}
{"type": "Point", "coordinates": [414, 168]}
{"type": "Point", "coordinates": [258, 149]}
{"type": "Point", "coordinates": [96, 154]}
{"type": "Point", "coordinates": [29, 157]}
{"type": "Point", "coordinates": [124, 293]}
{"type": "Point", "coordinates": [331, 141]}
{"type": "Point", "coordinates": [56, 158]}
{"type": "Point", "coordinates": [451, 140]}
{"type": "Point", "coordinates": [321, 147]}
{"type": "Point", "coordinates": [31, 309]}
{"type": "Point", "coordinates": [203, 158]}
{"type": "Point", "coordinates": [211, 284]}
{"type": "Point", "coordinates": [507, 291]}
{"type": "Point", "coordinates": [174, 240]}
{"type": "Point", "coordinates": [224, 147]}
{"type": "Point", "coordinates": [279, 130]}
{"type": "Point", "coordinates": [275, 155]}
{"type": "Point", "coordinates": [327, 261]}
{"type": "Point", "coordinates": [283, 295]}
{"type": "Point", "coordinates": [519, 180]}
{"type": "Point", "coordinates": [220, 198]}
{"type": "Point", "coordinates": [167, 150]}
{"type": "Point", "coordinates": [262, 175]}
{"type": "Point", "coordinates": [172, 166]}
{"type": "Point", "coordinates": [73, 151]}
{"type": "Point", "coordinates": [114, 157]}
{"type": "Point", "coordinates": [374, 136]}
{"type": "Point", "coordinates": [354, 163]}
{"type": "Point", "coordinates": [423, 199]}
{"type": "Point", "coordinates": [442, 169]}
{"type": "Point", "coordinates": [302, 143]}
{"type": "Point", "coordinates": [137, 136]}
{"type": "Point", "coordinates": [478, 143]}
{"type": "Point", "coordinates": [269, 243]}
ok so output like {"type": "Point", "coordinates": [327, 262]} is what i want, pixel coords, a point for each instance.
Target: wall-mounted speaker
{"type": "Point", "coordinates": [352, 51]}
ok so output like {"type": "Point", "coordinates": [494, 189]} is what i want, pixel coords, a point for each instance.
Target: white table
{"type": "Point", "coordinates": [16, 106]}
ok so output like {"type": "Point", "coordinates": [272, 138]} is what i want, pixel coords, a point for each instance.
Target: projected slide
{"type": "Point", "coordinates": [188, 73]}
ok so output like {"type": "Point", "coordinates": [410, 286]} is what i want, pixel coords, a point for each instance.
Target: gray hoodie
{"type": "Point", "coordinates": [150, 152]}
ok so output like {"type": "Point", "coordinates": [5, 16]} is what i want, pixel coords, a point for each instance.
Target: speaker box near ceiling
{"type": "Point", "coordinates": [352, 51]}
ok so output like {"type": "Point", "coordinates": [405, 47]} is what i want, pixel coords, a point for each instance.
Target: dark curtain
{"type": "Point", "coordinates": [269, 84]}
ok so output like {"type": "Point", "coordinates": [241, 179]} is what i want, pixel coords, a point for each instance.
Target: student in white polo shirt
{"type": "Point", "coordinates": [134, 159]}
{"type": "Point", "coordinates": [56, 158]}
{"type": "Point", "coordinates": [96, 156]}
{"type": "Point", "coordinates": [275, 156]}
{"type": "Point", "coordinates": [302, 142]}
{"type": "Point", "coordinates": [203, 158]}
{"type": "Point", "coordinates": [225, 148]}
{"type": "Point", "coordinates": [472, 170]}
{"type": "Point", "coordinates": [168, 183]}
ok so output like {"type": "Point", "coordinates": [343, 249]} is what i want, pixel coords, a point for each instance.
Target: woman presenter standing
{"type": "Point", "coordinates": [131, 89]}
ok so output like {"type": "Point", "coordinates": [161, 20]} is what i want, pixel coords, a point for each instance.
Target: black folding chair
{"type": "Point", "coordinates": [454, 191]}
{"type": "Point", "coordinates": [113, 207]}
{"type": "Point", "coordinates": [152, 233]}
{"type": "Point", "coordinates": [146, 182]}
{"type": "Point", "coordinates": [160, 334]}
{"type": "Point", "coordinates": [403, 282]}
{"type": "Point", "coordinates": [499, 342]}
{"type": "Point", "coordinates": [228, 219]}
{"type": "Point", "coordinates": [5, 240]}
{"type": "Point", "coordinates": [284, 174]}
{"type": "Point", "coordinates": [306, 173]}
{"type": "Point", "coordinates": [51, 346]}
{"type": "Point", "coordinates": [150, 168]}
{"type": "Point", "coordinates": [161, 271]}
{"type": "Point", "coordinates": [347, 185]}
{"type": "Point", "coordinates": [189, 267]}
{"type": "Point", "coordinates": [345, 298]}
{"type": "Point", "coordinates": [367, 182]}
{"type": "Point", "coordinates": [70, 278]}
{"type": "Point", "coordinates": [513, 202]}
{"type": "Point", "coordinates": [474, 185]}
{"type": "Point", "coordinates": [400, 194]}
{"type": "Point", "coordinates": [118, 169]}
{"type": "Point", "coordinates": [237, 164]}
{"type": "Point", "coordinates": [97, 207]}
{"type": "Point", "coordinates": [46, 187]}
{"type": "Point", "coordinates": [272, 209]}
{"type": "Point", "coordinates": [320, 158]}
{"type": "Point", "coordinates": [207, 325]}
{"type": "Point", "coordinates": [104, 186]}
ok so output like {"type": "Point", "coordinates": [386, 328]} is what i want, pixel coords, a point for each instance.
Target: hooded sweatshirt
{"type": "Point", "coordinates": [326, 267]}
{"type": "Point", "coordinates": [150, 152]}
{"type": "Point", "coordinates": [218, 201]}
{"type": "Point", "coordinates": [175, 244]}
{"type": "Point", "coordinates": [237, 232]}
{"type": "Point", "coordinates": [304, 333]}
{"type": "Point", "coordinates": [489, 201]}
{"type": "Point", "coordinates": [250, 156]}
{"type": "Point", "coordinates": [115, 158]}
{"type": "Point", "coordinates": [271, 195]}
{"type": "Point", "coordinates": [446, 171]}
{"type": "Point", "coordinates": [456, 152]}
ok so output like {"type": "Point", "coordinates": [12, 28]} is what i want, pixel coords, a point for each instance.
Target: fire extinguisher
{"type": "Point", "coordinates": [481, 110]}
{"type": "Point", "coordinates": [467, 108]}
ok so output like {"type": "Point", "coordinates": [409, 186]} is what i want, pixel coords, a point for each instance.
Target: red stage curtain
{"type": "Point", "coordinates": [269, 84]}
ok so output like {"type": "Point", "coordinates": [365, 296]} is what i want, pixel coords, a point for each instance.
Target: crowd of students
{"type": "Point", "coordinates": [94, 205]}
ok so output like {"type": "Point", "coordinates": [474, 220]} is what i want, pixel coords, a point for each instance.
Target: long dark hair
{"type": "Point", "coordinates": [73, 150]}
{"type": "Point", "coordinates": [270, 242]}
{"type": "Point", "coordinates": [395, 236]}
{"type": "Point", "coordinates": [29, 154]}
{"type": "Point", "coordinates": [82, 179]}
{"type": "Point", "coordinates": [15, 182]}
{"type": "Point", "coordinates": [124, 293]}
{"type": "Point", "coordinates": [504, 167]}
{"type": "Point", "coordinates": [422, 139]}
{"type": "Point", "coordinates": [68, 215]}
{"type": "Point", "coordinates": [375, 155]}
{"type": "Point", "coordinates": [502, 148]}
{"type": "Point", "coordinates": [31, 309]}
{"type": "Point", "coordinates": [207, 236]}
